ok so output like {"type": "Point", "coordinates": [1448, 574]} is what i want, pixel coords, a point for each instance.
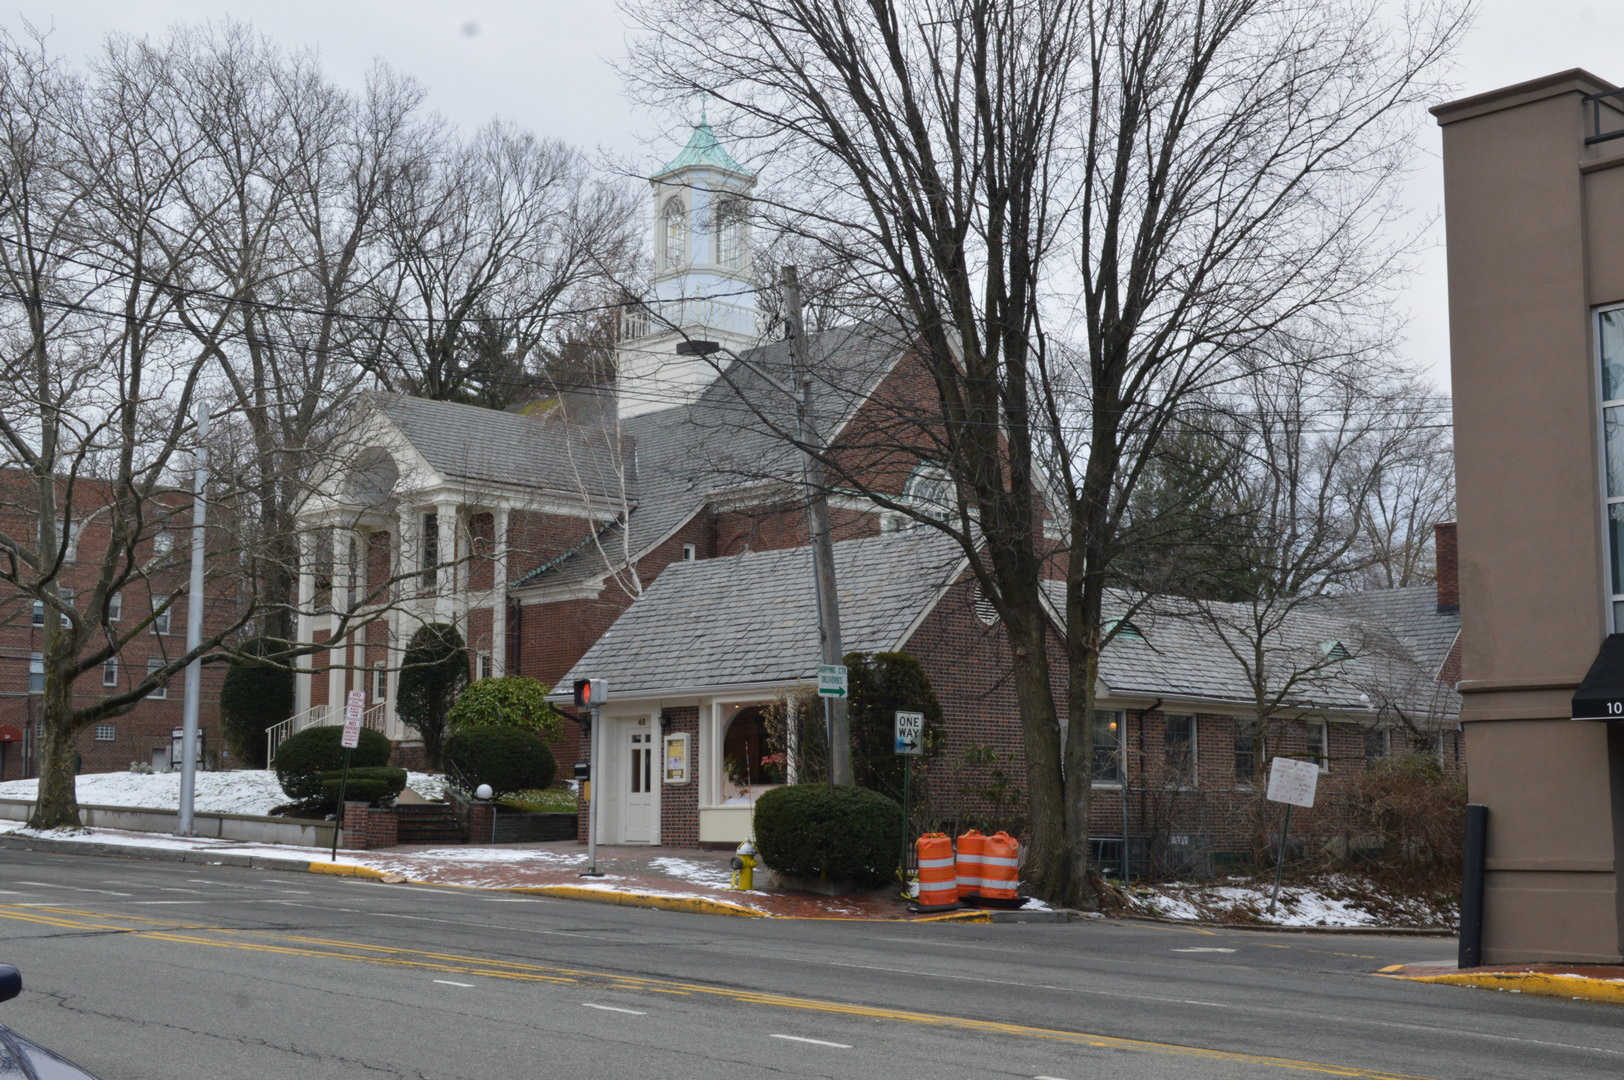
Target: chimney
{"type": "Point", "coordinates": [1443, 543]}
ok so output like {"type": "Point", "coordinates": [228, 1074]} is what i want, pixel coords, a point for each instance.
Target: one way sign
{"type": "Point", "coordinates": [910, 733]}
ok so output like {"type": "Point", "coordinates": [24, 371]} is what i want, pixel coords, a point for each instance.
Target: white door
{"type": "Point", "coordinates": [641, 820]}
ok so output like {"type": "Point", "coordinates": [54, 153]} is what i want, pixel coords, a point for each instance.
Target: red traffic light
{"type": "Point", "coordinates": [590, 692]}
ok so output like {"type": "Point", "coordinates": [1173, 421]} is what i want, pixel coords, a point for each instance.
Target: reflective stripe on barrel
{"type": "Point", "coordinates": [1000, 868]}
{"type": "Point", "coordinates": [969, 863]}
{"type": "Point", "coordinates": [937, 884]}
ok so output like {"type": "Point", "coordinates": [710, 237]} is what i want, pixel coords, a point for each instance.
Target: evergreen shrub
{"type": "Point", "coordinates": [372, 784]}
{"type": "Point", "coordinates": [508, 701]}
{"type": "Point", "coordinates": [303, 758]}
{"type": "Point", "coordinates": [846, 833]}
{"type": "Point", "coordinates": [508, 759]}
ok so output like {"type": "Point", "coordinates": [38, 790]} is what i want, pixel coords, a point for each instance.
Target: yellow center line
{"type": "Point", "coordinates": [304, 946]}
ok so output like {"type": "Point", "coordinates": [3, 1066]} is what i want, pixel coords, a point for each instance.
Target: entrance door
{"type": "Point", "coordinates": [642, 812]}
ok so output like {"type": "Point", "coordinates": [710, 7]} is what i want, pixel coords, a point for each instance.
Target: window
{"type": "Point", "coordinates": [730, 233]}
{"type": "Point", "coordinates": [429, 537]}
{"type": "Point", "coordinates": [1122, 629]}
{"type": "Point", "coordinates": [1610, 349]}
{"type": "Point", "coordinates": [985, 610]}
{"type": "Point", "coordinates": [162, 690]}
{"type": "Point", "coordinates": [1178, 745]}
{"type": "Point", "coordinates": [1245, 754]}
{"type": "Point", "coordinates": [482, 665]}
{"type": "Point", "coordinates": [70, 550]}
{"type": "Point", "coordinates": [1107, 747]}
{"type": "Point", "coordinates": [675, 232]}
{"type": "Point", "coordinates": [380, 681]}
{"type": "Point", "coordinates": [115, 607]}
{"type": "Point", "coordinates": [67, 602]}
{"type": "Point", "coordinates": [39, 613]}
{"type": "Point", "coordinates": [930, 489]}
{"type": "Point", "coordinates": [106, 732]}
{"type": "Point", "coordinates": [689, 553]}
{"type": "Point", "coordinates": [1319, 747]}
{"type": "Point", "coordinates": [163, 544]}
{"type": "Point", "coordinates": [1335, 651]}
{"type": "Point", "coordinates": [36, 673]}
{"type": "Point", "coordinates": [160, 624]}
{"type": "Point", "coordinates": [110, 671]}
{"type": "Point", "coordinates": [1378, 744]}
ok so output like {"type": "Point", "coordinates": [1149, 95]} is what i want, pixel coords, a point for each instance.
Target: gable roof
{"type": "Point", "coordinates": [751, 620]}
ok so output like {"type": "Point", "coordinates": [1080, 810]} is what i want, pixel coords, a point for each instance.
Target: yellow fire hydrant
{"type": "Point", "coordinates": [744, 866]}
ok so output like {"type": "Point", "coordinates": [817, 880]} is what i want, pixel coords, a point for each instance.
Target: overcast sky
{"type": "Point", "coordinates": [547, 65]}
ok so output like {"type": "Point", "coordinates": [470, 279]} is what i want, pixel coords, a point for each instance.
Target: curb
{"type": "Point", "coordinates": [1350, 931]}
{"type": "Point", "coordinates": [130, 851]}
{"type": "Point", "coordinates": [1534, 983]}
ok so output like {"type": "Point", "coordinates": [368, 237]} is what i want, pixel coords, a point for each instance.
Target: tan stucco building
{"type": "Point", "coordinates": [1534, 207]}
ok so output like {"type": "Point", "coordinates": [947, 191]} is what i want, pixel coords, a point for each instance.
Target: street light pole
{"type": "Point", "coordinates": [194, 633]}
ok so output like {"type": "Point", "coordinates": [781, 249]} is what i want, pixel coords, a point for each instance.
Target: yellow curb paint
{"type": "Point", "coordinates": [1390, 968]}
{"type": "Point", "coordinates": [1536, 983]}
{"type": "Point", "coordinates": [345, 870]}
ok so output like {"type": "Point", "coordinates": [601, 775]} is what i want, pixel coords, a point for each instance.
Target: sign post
{"type": "Point", "coordinates": [831, 686]}
{"type": "Point", "coordinates": [590, 694]}
{"type": "Point", "coordinates": [1291, 782]}
{"type": "Point", "coordinates": [354, 706]}
{"type": "Point", "coordinates": [909, 741]}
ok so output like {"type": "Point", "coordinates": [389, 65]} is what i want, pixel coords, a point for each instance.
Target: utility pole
{"type": "Point", "coordinates": [817, 513]}
{"type": "Point", "coordinates": [194, 633]}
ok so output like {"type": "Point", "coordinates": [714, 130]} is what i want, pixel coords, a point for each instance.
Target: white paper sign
{"type": "Point", "coordinates": [1292, 781]}
{"type": "Point", "coordinates": [353, 707]}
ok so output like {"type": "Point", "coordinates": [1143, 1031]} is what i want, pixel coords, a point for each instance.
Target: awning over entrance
{"type": "Point", "coordinates": [1601, 695]}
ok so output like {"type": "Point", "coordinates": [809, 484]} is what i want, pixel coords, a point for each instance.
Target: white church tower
{"type": "Point", "coordinates": [701, 279]}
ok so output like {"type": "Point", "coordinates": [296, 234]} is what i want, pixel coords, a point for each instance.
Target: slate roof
{"type": "Point", "coordinates": [1393, 664]}
{"type": "Point", "coordinates": [731, 436]}
{"type": "Point", "coordinates": [467, 442]}
{"type": "Point", "coordinates": [751, 620]}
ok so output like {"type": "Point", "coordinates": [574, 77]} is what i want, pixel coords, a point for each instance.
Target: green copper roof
{"type": "Point", "coordinates": [703, 150]}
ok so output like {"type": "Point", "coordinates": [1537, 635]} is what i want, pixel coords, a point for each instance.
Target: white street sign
{"type": "Point", "coordinates": [910, 733]}
{"type": "Point", "coordinates": [832, 680]}
{"type": "Point", "coordinates": [1292, 781]}
{"type": "Point", "coordinates": [354, 705]}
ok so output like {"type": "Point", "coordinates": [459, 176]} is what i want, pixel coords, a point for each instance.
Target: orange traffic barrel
{"type": "Point", "coordinates": [937, 887]}
{"type": "Point", "coordinates": [969, 864]}
{"type": "Point", "coordinates": [1000, 870]}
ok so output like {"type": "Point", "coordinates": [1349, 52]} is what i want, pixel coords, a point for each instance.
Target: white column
{"type": "Point", "coordinates": [338, 652]}
{"type": "Point", "coordinates": [397, 566]}
{"type": "Point", "coordinates": [445, 579]}
{"type": "Point", "coordinates": [304, 624]}
{"type": "Point", "coordinates": [499, 552]}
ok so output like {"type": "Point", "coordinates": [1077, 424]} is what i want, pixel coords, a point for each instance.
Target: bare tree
{"type": "Point", "coordinates": [1169, 184]}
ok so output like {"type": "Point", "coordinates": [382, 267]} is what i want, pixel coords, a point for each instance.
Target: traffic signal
{"type": "Point", "coordinates": [590, 692]}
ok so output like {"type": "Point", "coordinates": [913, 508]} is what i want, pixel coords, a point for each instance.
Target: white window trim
{"type": "Point", "coordinates": [38, 617]}
{"type": "Point", "coordinates": [1195, 750]}
{"type": "Point", "coordinates": [1606, 502]}
{"type": "Point", "coordinates": [1323, 758]}
{"type": "Point", "coordinates": [163, 620]}
{"type": "Point", "coordinates": [110, 671]}
{"type": "Point", "coordinates": [36, 666]}
{"type": "Point", "coordinates": [482, 664]}
{"type": "Point", "coordinates": [106, 733]}
{"type": "Point", "coordinates": [690, 552]}
{"type": "Point", "coordinates": [1122, 749]}
{"type": "Point", "coordinates": [380, 680]}
{"type": "Point", "coordinates": [115, 607]}
{"type": "Point", "coordinates": [161, 691]}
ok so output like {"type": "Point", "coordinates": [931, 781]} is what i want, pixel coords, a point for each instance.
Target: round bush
{"type": "Point", "coordinates": [302, 758]}
{"type": "Point", "coordinates": [374, 784]}
{"type": "Point", "coordinates": [508, 759]}
{"type": "Point", "coordinates": [846, 833]}
{"type": "Point", "coordinates": [510, 701]}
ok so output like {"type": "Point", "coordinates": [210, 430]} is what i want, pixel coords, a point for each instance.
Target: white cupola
{"type": "Point", "coordinates": [701, 278]}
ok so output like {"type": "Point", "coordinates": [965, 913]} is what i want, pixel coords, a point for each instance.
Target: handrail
{"type": "Point", "coordinates": [376, 718]}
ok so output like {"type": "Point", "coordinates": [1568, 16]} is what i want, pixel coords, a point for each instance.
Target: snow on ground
{"type": "Point", "coordinates": [1330, 900]}
{"type": "Point", "coordinates": [237, 791]}
{"type": "Point", "coordinates": [699, 874]}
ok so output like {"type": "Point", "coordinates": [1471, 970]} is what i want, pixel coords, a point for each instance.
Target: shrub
{"type": "Point", "coordinates": [375, 784]}
{"type": "Point", "coordinates": [508, 759]}
{"type": "Point", "coordinates": [510, 701]}
{"type": "Point", "coordinates": [433, 671]}
{"type": "Point", "coordinates": [255, 695]}
{"type": "Point", "coordinates": [1408, 810]}
{"type": "Point", "coordinates": [303, 758]}
{"type": "Point", "coordinates": [810, 830]}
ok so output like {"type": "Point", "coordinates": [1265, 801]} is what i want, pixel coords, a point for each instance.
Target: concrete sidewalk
{"type": "Point", "coordinates": [673, 879]}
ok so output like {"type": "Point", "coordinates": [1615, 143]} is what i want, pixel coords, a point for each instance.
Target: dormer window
{"type": "Point", "coordinates": [675, 233]}
{"type": "Point", "coordinates": [730, 233]}
{"type": "Point", "coordinates": [930, 490]}
{"type": "Point", "coordinates": [1335, 652]}
{"type": "Point", "coordinates": [1123, 629]}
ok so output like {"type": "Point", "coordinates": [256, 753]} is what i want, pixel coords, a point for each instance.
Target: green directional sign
{"type": "Point", "coordinates": [832, 680]}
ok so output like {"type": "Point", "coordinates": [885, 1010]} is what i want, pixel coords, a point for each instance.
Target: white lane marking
{"type": "Point", "coordinates": [1045, 1078]}
{"type": "Point", "coordinates": [177, 888]}
{"type": "Point", "coordinates": [296, 892]}
{"type": "Point", "coordinates": [217, 884]}
{"type": "Point", "coordinates": [74, 888]}
{"type": "Point", "coordinates": [814, 1042]}
{"type": "Point", "coordinates": [1202, 948]}
{"type": "Point", "coordinates": [12, 892]}
{"type": "Point", "coordinates": [149, 903]}
{"type": "Point", "coordinates": [507, 900]}
{"type": "Point", "coordinates": [612, 1008]}
{"type": "Point", "coordinates": [448, 982]}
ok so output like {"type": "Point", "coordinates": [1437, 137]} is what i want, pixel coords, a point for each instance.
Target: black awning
{"type": "Point", "coordinates": [1601, 695]}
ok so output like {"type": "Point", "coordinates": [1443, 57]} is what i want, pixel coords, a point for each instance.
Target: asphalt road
{"type": "Point", "coordinates": [145, 969]}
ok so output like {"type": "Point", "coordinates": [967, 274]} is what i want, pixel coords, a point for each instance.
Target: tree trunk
{"type": "Point", "coordinates": [1047, 868]}
{"type": "Point", "coordinates": [58, 804]}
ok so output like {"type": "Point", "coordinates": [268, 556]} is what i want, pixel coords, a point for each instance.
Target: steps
{"type": "Point", "coordinates": [429, 823]}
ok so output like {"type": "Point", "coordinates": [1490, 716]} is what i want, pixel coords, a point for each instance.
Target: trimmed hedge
{"type": "Point", "coordinates": [508, 701]}
{"type": "Point", "coordinates": [303, 758]}
{"type": "Point", "coordinates": [846, 833]}
{"type": "Point", "coordinates": [508, 759]}
{"type": "Point", "coordinates": [376, 784]}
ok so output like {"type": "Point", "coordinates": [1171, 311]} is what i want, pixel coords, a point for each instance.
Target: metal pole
{"type": "Point", "coordinates": [817, 510]}
{"type": "Point", "coordinates": [1280, 859]}
{"type": "Point", "coordinates": [593, 778]}
{"type": "Point", "coordinates": [907, 777]}
{"type": "Point", "coordinates": [1471, 898]}
{"type": "Point", "coordinates": [194, 633]}
{"type": "Point", "coordinates": [343, 786]}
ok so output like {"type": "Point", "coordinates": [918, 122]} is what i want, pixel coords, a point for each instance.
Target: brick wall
{"type": "Point", "coordinates": [368, 827]}
{"type": "Point", "coordinates": [679, 803]}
